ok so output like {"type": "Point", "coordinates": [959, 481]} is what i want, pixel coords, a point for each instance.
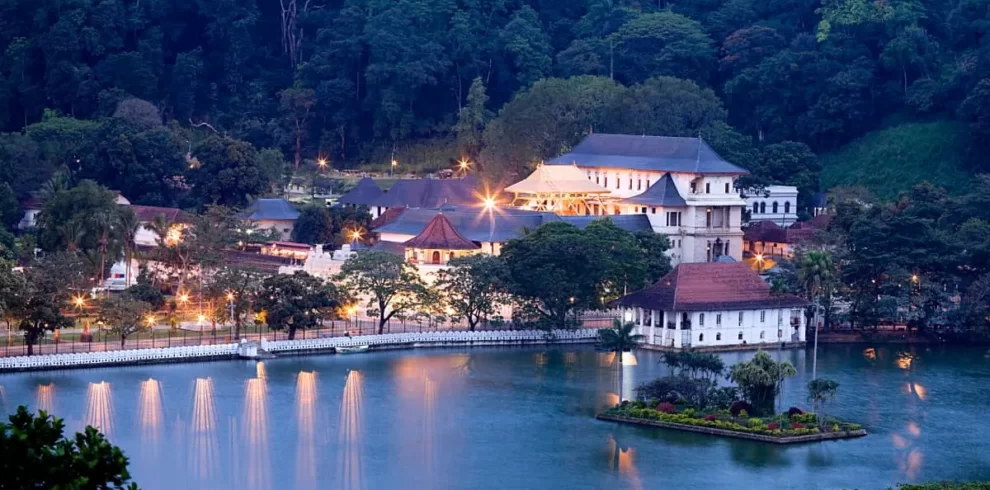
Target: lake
{"type": "Point", "coordinates": [508, 418]}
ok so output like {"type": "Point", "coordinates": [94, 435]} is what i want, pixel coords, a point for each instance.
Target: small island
{"type": "Point", "coordinates": [691, 398]}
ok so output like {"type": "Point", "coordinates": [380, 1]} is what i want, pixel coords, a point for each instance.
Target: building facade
{"type": "Point", "coordinates": [698, 209]}
{"type": "Point", "coordinates": [776, 203]}
{"type": "Point", "coordinates": [714, 305]}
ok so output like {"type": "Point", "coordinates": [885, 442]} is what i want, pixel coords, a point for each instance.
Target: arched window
{"type": "Point", "coordinates": [701, 337]}
{"type": "Point", "coordinates": [763, 208]}
{"type": "Point", "coordinates": [450, 256]}
{"type": "Point", "coordinates": [740, 335]}
{"type": "Point", "coordinates": [775, 207]}
{"type": "Point", "coordinates": [756, 207]}
{"type": "Point", "coordinates": [718, 337]}
{"type": "Point", "coordinates": [436, 257]}
{"type": "Point", "coordinates": [787, 207]}
{"type": "Point", "coordinates": [762, 335]}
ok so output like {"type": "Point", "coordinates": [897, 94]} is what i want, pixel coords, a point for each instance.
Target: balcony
{"type": "Point", "coordinates": [685, 325]}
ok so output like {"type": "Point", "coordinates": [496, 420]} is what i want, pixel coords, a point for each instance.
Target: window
{"type": "Point", "coordinates": [780, 320]}
{"type": "Point", "coordinates": [606, 181]}
{"type": "Point", "coordinates": [774, 207]}
{"type": "Point", "coordinates": [780, 333]}
{"type": "Point", "coordinates": [701, 337]}
{"type": "Point", "coordinates": [763, 316]}
{"type": "Point", "coordinates": [708, 188]}
{"type": "Point", "coordinates": [787, 207]}
{"type": "Point", "coordinates": [694, 188]}
{"type": "Point", "coordinates": [436, 257]}
{"type": "Point", "coordinates": [589, 175]}
{"type": "Point", "coordinates": [708, 217]}
{"type": "Point", "coordinates": [630, 182]}
{"type": "Point", "coordinates": [762, 335]}
{"type": "Point", "coordinates": [653, 210]}
{"type": "Point", "coordinates": [740, 318]}
{"type": "Point", "coordinates": [718, 337]}
{"type": "Point", "coordinates": [644, 209]}
{"type": "Point", "coordinates": [597, 179]}
{"type": "Point", "coordinates": [618, 182]}
{"type": "Point", "coordinates": [726, 188]}
{"type": "Point", "coordinates": [740, 335]}
{"type": "Point", "coordinates": [673, 218]}
{"type": "Point", "coordinates": [639, 184]}
{"type": "Point", "coordinates": [701, 320]}
{"type": "Point", "coordinates": [718, 319]}
{"type": "Point", "coordinates": [756, 208]}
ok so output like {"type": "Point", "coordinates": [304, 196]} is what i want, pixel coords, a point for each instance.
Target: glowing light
{"type": "Point", "coordinates": [913, 429]}
{"type": "Point", "coordinates": [350, 432]}
{"type": "Point", "coordinates": [99, 408]}
{"type": "Point", "coordinates": [429, 447]}
{"type": "Point", "coordinates": [259, 371]}
{"type": "Point", "coordinates": [352, 310]}
{"type": "Point", "coordinates": [395, 163]}
{"type": "Point", "coordinates": [150, 411]}
{"type": "Point", "coordinates": [255, 434]}
{"type": "Point", "coordinates": [46, 397]}
{"type": "Point", "coordinates": [463, 164]}
{"type": "Point", "coordinates": [322, 162]}
{"type": "Point", "coordinates": [183, 298]}
{"type": "Point", "coordinates": [202, 319]}
{"type": "Point", "coordinates": [356, 235]}
{"type": "Point", "coordinates": [79, 301]}
{"type": "Point", "coordinates": [173, 236]}
{"type": "Point", "coordinates": [204, 447]}
{"type": "Point", "coordinates": [488, 203]}
{"type": "Point", "coordinates": [306, 413]}
{"type": "Point", "coordinates": [914, 278]}
{"type": "Point", "coordinates": [605, 359]}
{"type": "Point", "coordinates": [230, 296]}
{"type": "Point", "coordinates": [629, 359]}
{"type": "Point", "coordinates": [150, 320]}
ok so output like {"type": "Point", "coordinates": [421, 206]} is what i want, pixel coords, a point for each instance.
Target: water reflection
{"type": "Point", "coordinates": [305, 415]}
{"type": "Point", "coordinates": [46, 398]}
{"type": "Point", "coordinates": [622, 462]}
{"type": "Point", "coordinates": [920, 391]}
{"type": "Point", "coordinates": [254, 432]}
{"type": "Point", "coordinates": [904, 360]}
{"type": "Point", "coordinates": [429, 431]}
{"type": "Point", "coordinates": [203, 439]}
{"type": "Point", "coordinates": [3, 399]}
{"type": "Point", "coordinates": [350, 433]}
{"type": "Point", "coordinates": [99, 408]}
{"type": "Point", "coordinates": [151, 417]}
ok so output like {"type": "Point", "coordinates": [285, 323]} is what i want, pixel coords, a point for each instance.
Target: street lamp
{"type": "Point", "coordinates": [79, 301]}
{"type": "Point", "coordinates": [463, 164]}
{"type": "Point", "coordinates": [322, 163]}
{"type": "Point", "coordinates": [759, 263]}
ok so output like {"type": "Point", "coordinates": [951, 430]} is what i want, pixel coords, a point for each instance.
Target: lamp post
{"type": "Point", "coordinates": [230, 304]}
{"type": "Point", "coordinates": [759, 263]}
{"type": "Point", "coordinates": [151, 327]}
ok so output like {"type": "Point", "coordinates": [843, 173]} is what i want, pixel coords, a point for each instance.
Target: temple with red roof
{"type": "Point", "coordinates": [714, 306]}
{"type": "Point", "coordinates": [438, 243]}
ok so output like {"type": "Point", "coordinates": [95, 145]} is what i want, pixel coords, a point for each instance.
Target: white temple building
{"type": "Point", "coordinates": [777, 203]}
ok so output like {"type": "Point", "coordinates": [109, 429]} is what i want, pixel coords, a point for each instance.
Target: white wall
{"type": "Point", "coordinates": [784, 195]}
{"type": "Point", "coordinates": [757, 327]}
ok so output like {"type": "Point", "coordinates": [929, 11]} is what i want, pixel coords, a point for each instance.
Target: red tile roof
{"type": "Point", "coordinates": [146, 214]}
{"type": "Point", "coordinates": [710, 287]}
{"type": "Point", "coordinates": [765, 231]}
{"type": "Point", "coordinates": [440, 234]}
{"type": "Point", "coordinates": [390, 215]}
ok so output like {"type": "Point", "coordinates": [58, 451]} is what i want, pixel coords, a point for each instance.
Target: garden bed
{"type": "Point", "coordinates": [779, 429]}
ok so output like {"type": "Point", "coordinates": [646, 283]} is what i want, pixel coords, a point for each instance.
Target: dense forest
{"type": "Point", "coordinates": [122, 90]}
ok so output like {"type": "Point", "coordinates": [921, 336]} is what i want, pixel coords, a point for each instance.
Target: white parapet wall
{"type": "Point", "coordinates": [221, 351]}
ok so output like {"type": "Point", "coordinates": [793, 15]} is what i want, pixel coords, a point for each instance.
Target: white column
{"type": "Point", "coordinates": [653, 327]}
{"type": "Point", "coordinates": [677, 330]}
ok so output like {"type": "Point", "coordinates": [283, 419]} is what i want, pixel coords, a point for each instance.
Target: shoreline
{"type": "Point", "coordinates": [286, 348]}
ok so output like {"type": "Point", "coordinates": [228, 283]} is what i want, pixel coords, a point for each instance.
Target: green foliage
{"type": "Point", "coordinates": [38, 455]}
{"type": "Point", "coordinates": [654, 246]}
{"type": "Point", "coordinates": [39, 301]}
{"type": "Point", "coordinates": [10, 209]}
{"type": "Point", "coordinates": [474, 287]}
{"type": "Point", "coordinates": [892, 160]}
{"type": "Point", "coordinates": [820, 392]}
{"type": "Point", "coordinates": [233, 290]}
{"type": "Point", "coordinates": [663, 43]}
{"type": "Point", "coordinates": [313, 226]}
{"type": "Point", "coordinates": [297, 301]}
{"type": "Point", "coordinates": [146, 293]}
{"type": "Point", "coordinates": [760, 380]}
{"type": "Point", "coordinates": [124, 315]}
{"type": "Point", "coordinates": [620, 338]}
{"type": "Point", "coordinates": [230, 172]}
{"type": "Point", "coordinates": [391, 285]}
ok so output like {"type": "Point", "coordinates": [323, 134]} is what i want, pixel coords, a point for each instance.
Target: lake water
{"type": "Point", "coordinates": [508, 418]}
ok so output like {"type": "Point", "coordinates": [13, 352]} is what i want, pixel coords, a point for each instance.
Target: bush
{"type": "Point", "coordinates": [755, 423]}
{"type": "Point", "coordinates": [773, 426]}
{"type": "Point", "coordinates": [722, 398]}
{"type": "Point", "coordinates": [147, 293]}
{"type": "Point", "coordinates": [794, 411]}
{"type": "Point", "coordinates": [797, 425]}
{"type": "Point", "coordinates": [666, 407]}
{"type": "Point", "coordinates": [688, 412]}
{"type": "Point", "coordinates": [743, 414]}
{"type": "Point", "coordinates": [740, 406]}
{"type": "Point", "coordinates": [710, 417]}
{"type": "Point", "coordinates": [638, 404]}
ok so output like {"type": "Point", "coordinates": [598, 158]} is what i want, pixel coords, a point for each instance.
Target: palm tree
{"type": "Point", "coordinates": [816, 274]}
{"type": "Point", "coordinates": [761, 380]}
{"type": "Point", "coordinates": [618, 339]}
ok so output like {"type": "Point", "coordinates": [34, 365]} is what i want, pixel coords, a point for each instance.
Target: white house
{"type": "Point", "coordinates": [275, 214]}
{"type": "Point", "coordinates": [684, 187]}
{"type": "Point", "coordinates": [777, 203]}
{"type": "Point", "coordinates": [714, 305]}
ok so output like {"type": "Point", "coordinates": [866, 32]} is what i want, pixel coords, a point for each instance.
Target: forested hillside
{"type": "Point", "coordinates": [769, 82]}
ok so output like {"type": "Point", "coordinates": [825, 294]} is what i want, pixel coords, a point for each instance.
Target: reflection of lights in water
{"type": "Point", "coordinates": [606, 359]}
{"type": "Point", "coordinates": [350, 433]}
{"type": "Point", "coordinates": [910, 465]}
{"type": "Point", "coordinates": [913, 429]}
{"type": "Point", "coordinates": [203, 443]}
{"type": "Point", "coordinates": [570, 358]}
{"type": "Point", "coordinates": [429, 429]}
{"type": "Point", "coordinates": [255, 433]}
{"type": "Point", "coordinates": [870, 354]}
{"type": "Point", "coordinates": [904, 360]}
{"type": "Point", "coordinates": [899, 442]}
{"type": "Point", "coordinates": [629, 359]}
{"type": "Point", "coordinates": [305, 413]}
{"type": "Point", "coordinates": [540, 359]}
{"type": "Point", "coordinates": [920, 391]}
{"type": "Point", "coordinates": [150, 412]}
{"type": "Point", "coordinates": [99, 408]}
{"type": "Point", "coordinates": [3, 398]}
{"type": "Point", "coordinates": [622, 462]}
{"type": "Point", "coordinates": [461, 363]}
{"type": "Point", "coordinates": [259, 370]}
{"type": "Point", "coordinates": [46, 397]}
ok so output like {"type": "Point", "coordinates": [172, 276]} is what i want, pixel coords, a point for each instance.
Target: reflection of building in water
{"type": "Point", "coordinates": [305, 414]}
{"type": "Point", "coordinates": [99, 408]}
{"type": "Point", "coordinates": [350, 433]}
{"type": "Point", "coordinates": [254, 434]}
{"type": "Point", "coordinates": [203, 439]}
{"type": "Point", "coordinates": [151, 417]}
{"type": "Point", "coordinates": [622, 462]}
{"type": "Point", "coordinates": [46, 397]}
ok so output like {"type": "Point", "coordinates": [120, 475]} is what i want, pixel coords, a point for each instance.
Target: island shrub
{"type": "Point", "coordinates": [666, 407]}
{"type": "Point", "coordinates": [710, 417]}
{"type": "Point", "coordinates": [797, 425]}
{"type": "Point", "coordinates": [688, 412]}
{"type": "Point", "coordinates": [773, 426]}
{"type": "Point", "coordinates": [740, 406]}
{"type": "Point", "coordinates": [755, 423]}
{"type": "Point", "coordinates": [794, 411]}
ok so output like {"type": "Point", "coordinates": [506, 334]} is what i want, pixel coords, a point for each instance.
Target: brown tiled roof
{"type": "Point", "coordinates": [765, 231]}
{"type": "Point", "coordinates": [256, 261]}
{"type": "Point", "coordinates": [709, 286]}
{"type": "Point", "coordinates": [440, 234]}
{"type": "Point", "coordinates": [390, 215]}
{"type": "Point", "coordinates": [146, 214]}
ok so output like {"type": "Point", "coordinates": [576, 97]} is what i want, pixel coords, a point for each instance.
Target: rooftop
{"type": "Point", "coordinates": [440, 234]}
{"type": "Point", "coordinates": [663, 192]}
{"type": "Point", "coordinates": [656, 153]}
{"type": "Point", "coordinates": [270, 210]}
{"type": "Point", "coordinates": [710, 286]}
{"type": "Point", "coordinates": [428, 193]}
{"type": "Point", "coordinates": [363, 194]}
{"type": "Point", "coordinates": [557, 179]}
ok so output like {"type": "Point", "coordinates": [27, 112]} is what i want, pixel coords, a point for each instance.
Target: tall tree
{"type": "Point", "coordinates": [296, 302]}
{"type": "Point", "coordinates": [474, 287]}
{"type": "Point", "coordinates": [387, 282]}
{"type": "Point", "coordinates": [471, 120]}
{"type": "Point", "coordinates": [663, 43]}
{"type": "Point", "coordinates": [760, 380]}
{"type": "Point", "coordinates": [124, 316]}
